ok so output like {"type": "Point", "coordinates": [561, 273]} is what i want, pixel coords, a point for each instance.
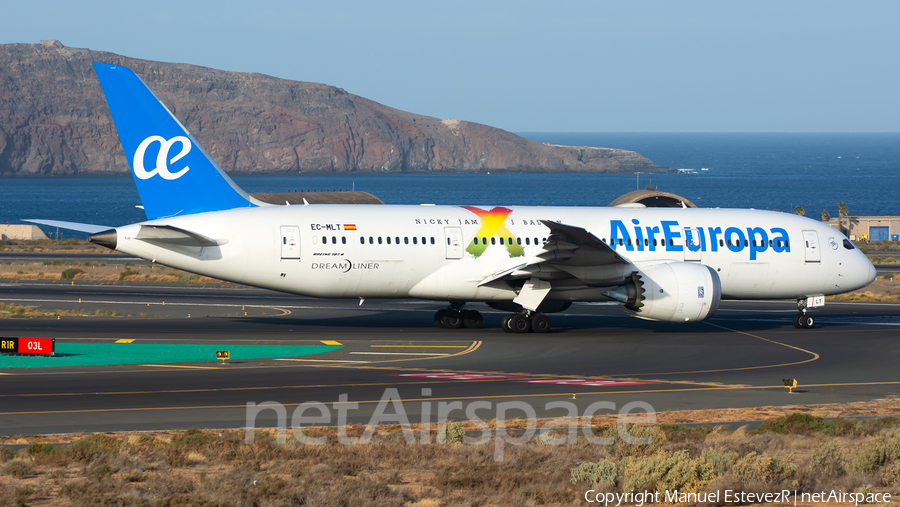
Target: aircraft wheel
{"type": "Point", "coordinates": [439, 318]}
{"type": "Point", "coordinates": [807, 321]}
{"type": "Point", "coordinates": [472, 319]}
{"type": "Point", "coordinates": [520, 323]}
{"type": "Point", "coordinates": [504, 324]}
{"type": "Point", "coordinates": [540, 323]}
{"type": "Point", "coordinates": [452, 319]}
{"type": "Point", "coordinates": [797, 323]}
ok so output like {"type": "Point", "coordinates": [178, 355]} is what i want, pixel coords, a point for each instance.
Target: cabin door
{"type": "Point", "coordinates": [290, 242]}
{"type": "Point", "coordinates": [811, 243]}
{"type": "Point", "coordinates": [453, 238]}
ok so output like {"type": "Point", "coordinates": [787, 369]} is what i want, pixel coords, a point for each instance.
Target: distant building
{"type": "Point", "coordinates": [869, 228]}
{"type": "Point", "coordinates": [18, 231]}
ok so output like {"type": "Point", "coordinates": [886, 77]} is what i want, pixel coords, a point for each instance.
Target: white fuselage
{"type": "Point", "coordinates": [429, 252]}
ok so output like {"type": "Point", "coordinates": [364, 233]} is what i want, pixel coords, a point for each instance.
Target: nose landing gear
{"type": "Point", "coordinates": [803, 320]}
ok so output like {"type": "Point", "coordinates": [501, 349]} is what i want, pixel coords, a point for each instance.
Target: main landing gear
{"type": "Point", "coordinates": [525, 322]}
{"type": "Point", "coordinates": [455, 317]}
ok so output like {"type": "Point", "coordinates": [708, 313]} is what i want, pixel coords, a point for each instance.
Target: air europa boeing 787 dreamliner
{"type": "Point", "coordinates": [662, 264]}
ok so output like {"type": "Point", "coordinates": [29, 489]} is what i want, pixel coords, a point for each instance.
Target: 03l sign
{"type": "Point", "coordinates": [27, 345]}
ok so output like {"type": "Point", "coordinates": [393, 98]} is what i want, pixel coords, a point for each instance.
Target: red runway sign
{"type": "Point", "coordinates": [44, 346]}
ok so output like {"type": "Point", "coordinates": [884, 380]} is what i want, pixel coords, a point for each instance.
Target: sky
{"type": "Point", "coordinates": [523, 66]}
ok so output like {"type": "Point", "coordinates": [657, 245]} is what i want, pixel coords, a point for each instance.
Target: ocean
{"type": "Point", "coordinates": [743, 170]}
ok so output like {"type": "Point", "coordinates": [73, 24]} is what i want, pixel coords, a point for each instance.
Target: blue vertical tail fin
{"type": "Point", "coordinates": [174, 175]}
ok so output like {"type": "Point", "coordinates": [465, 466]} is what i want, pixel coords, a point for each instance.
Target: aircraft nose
{"type": "Point", "coordinates": [872, 273]}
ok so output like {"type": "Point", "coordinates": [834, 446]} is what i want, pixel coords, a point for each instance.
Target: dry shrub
{"type": "Point", "coordinates": [875, 452]}
{"type": "Point", "coordinates": [800, 424]}
{"type": "Point", "coordinates": [6, 454]}
{"type": "Point", "coordinates": [874, 426]}
{"type": "Point", "coordinates": [721, 484]}
{"type": "Point", "coordinates": [595, 473]}
{"type": "Point", "coordinates": [17, 468]}
{"type": "Point", "coordinates": [13, 493]}
{"type": "Point", "coordinates": [109, 491]}
{"type": "Point", "coordinates": [718, 459]}
{"type": "Point", "coordinates": [89, 448]}
{"type": "Point", "coordinates": [665, 472]}
{"type": "Point", "coordinates": [889, 475]}
{"type": "Point", "coordinates": [828, 460]}
{"type": "Point", "coordinates": [764, 469]}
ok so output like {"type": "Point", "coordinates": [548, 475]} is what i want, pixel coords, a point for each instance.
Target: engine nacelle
{"type": "Point", "coordinates": [674, 292]}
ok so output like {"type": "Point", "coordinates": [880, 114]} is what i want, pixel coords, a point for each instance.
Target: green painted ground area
{"type": "Point", "coordinates": [87, 354]}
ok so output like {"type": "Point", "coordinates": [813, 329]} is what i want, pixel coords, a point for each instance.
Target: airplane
{"type": "Point", "coordinates": [660, 264]}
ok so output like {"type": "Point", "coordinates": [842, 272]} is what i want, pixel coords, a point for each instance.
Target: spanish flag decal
{"type": "Point", "coordinates": [349, 227]}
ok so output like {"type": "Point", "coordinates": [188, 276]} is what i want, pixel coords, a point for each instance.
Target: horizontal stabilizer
{"type": "Point", "coordinates": [74, 226]}
{"type": "Point", "coordinates": [168, 234]}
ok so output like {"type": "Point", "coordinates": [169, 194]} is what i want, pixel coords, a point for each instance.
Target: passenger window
{"type": "Point", "coordinates": [628, 242]}
{"type": "Point", "coordinates": [848, 245]}
{"type": "Point", "coordinates": [646, 242]}
{"type": "Point", "coordinates": [475, 240]}
{"type": "Point", "coordinates": [493, 241]}
{"type": "Point", "coordinates": [518, 241]}
{"type": "Point", "coordinates": [423, 240]}
{"type": "Point", "coordinates": [528, 241]}
{"type": "Point", "coordinates": [432, 240]}
{"type": "Point", "coordinates": [745, 243]}
{"type": "Point", "coordinates": [324, 240]}
{"type": "Point", "coordinates": [379, 240]}
{"type": "Point", "coordinates": [343, 240]}
{"type": "Point", "coordinates": [371, 240]}
{"type": "Point", "coordinates": [334, 240]}
{"type": "Point", "coordinates": [362, 240]}
{"type": "Point", "coordinates": [388, 240]}
{"type": "Point", "coordinates": [501, 240]}
{"type": "Point", "coordinates": [415, 240]}
{"type": "Point", "coordinates": [284, 241]}
{"type": "Point", "coordinates": [721, 243]}
{"type": "Point", "coordinates": [671, 242]}
{"type": "Point", "coordinates": [621, 242]}
{"type": "Point", "coordinates": [545, 240]}
{"type": "Point", "coordinates": [397, 239]}
{"type": "Point", "coordinates": [787, 244]}
{"type": "Point", "coordinates": [770, 243]}
{"type": "Point", "coordinates": [405, 240]}
{"type": "Point", "coordinates": [448, 241]}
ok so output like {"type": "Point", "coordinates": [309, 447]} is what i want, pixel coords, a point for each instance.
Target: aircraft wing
{"type": "Point", "coordinates": [571, 255]}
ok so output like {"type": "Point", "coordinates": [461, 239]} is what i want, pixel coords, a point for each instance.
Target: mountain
{"type": "Point", "coordinates": [54, 121]}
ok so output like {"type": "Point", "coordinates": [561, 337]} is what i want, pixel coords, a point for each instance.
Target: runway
{"type": "Point", "coordinates": [736, 359]}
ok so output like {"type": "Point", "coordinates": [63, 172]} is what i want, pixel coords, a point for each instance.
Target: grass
{"type": "Point", "coordinates": [204, 467]}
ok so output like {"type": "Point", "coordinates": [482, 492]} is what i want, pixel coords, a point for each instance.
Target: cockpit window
{"type": "Point", "coordinates": [848, 245]}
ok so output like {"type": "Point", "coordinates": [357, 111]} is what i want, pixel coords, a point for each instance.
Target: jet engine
{"type": "Point", "coordinates": [672, 292]}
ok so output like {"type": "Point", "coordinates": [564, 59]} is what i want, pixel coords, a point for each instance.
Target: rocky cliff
{"type": "Point", "coordinates": [54, 121]}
